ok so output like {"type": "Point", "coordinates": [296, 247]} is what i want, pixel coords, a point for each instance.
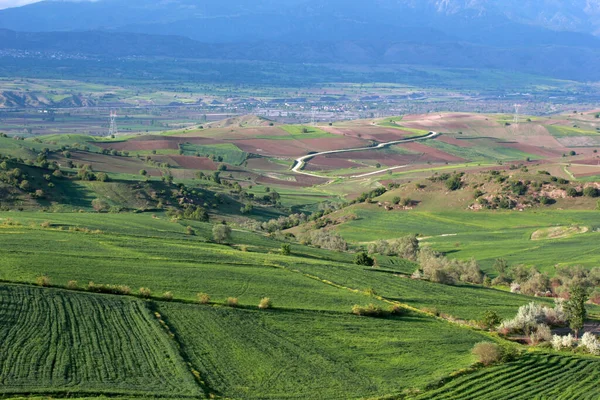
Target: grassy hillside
{"type": "Point", "coordinates": [148, 250]}
{"type": "Point", "coordinates": [248, 354]}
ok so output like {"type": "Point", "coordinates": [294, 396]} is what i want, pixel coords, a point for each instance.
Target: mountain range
{"type": "Point", "coordinates": [556, 38]}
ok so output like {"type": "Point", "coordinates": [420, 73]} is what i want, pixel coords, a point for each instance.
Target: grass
{"type": "Point", "coordinates": [483, 152]}
{"type": "Point", "coordinates": [231, 153]}
{"type": "Point", "coordinates": [534, 376]}
{"type": "Point", "coordinates": [569, 131]}
{"type": "Point", "coordinates": [274, 354]}
{"type": "Point", "coordinates": [486, 235]}
{"type": "Point", "coordinates": [296, 132]}
{"type": "Point", "coordinates": [68, 343]}
{"type": "Point", "coordinates": [219, 271]}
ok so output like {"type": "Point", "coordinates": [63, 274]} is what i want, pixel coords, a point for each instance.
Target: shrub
{"type": "Point", "coordinates": [168, 296]}
{"type": "Point", "coordinates": [110, 289]}
{"type": "Point", "coordinates": [265, 303]}
{"type": "Point", "coordinates": [100, 205]}
{"type": "Point", "coordinates": [42, 280]}
{"type": "Point", "coordinates": [590, 343]}
{"type": "Point", "coordinates": [203, 298]}
{"type": "Point", "coordinates": [563, 342]}
{"type": "Point", "coordinates": [231, 302]}
{"type": "Point", "coordinates": [572, 192]}
{"type": "Point", "coordinates": [72, 285]}
{"type": "Point", "coordinates": [363, 258]}
{"type": "Point", "coordinates": [369, 311]}
{"type": "Point", "coordinates": [286, 249]}
{"type": "Point", "coordinates": [397, 310]}
{"type": "Point", "coordinates": [145, 292]}
{"type": "Point", "coordinates": [591, 192]}
{"type": "Point", "coordinates": [487, 353]}
{"type": "Point", "coordinates": [541, 334]}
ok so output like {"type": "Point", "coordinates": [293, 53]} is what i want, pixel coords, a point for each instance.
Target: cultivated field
{"type": "Point", "coordinates": [66, 343]}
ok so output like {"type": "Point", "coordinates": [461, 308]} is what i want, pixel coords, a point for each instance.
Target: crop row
{"type": "Point", "coordinates": [56, 341]}
{"type": "Point", "coordinates": [535, 376]}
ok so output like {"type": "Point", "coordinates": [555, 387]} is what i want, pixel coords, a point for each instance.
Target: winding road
{"type": "Point", "coordinates": [301, 162]}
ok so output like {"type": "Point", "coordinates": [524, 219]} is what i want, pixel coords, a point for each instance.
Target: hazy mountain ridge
{"type": "Point", "coordinates": [175, 16]}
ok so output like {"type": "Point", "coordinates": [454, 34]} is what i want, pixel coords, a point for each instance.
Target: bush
{"type": "Point", "coordinates": [572, 192]}
{"type": "Point", "coordinates": [145, 292]}
{"type": "Point", "coordinates": [231, 302]}
{"type": "Point", "coordinates": [590, 343]}
{"type": "Point", "coordinates": [563, 342]}
{"type": "Point", "coordinates": [72, 285]}
{"type": "Point", "coordinates": [168, 296]}
{"type": "Point", "coordinates": [286, 249]}
{"type": "Point", "coordinates": [203, 298]}
{"type": "Point", "coordinates": [369, 311]}
{"type": "Point", "coordinates": [487, 353]}
{"type": "Point", "coordinates": [265, 303]}
{"type": "Point", "coordinates": [541, 334]}
{"type": "Point", "coordinates": [591, 192]}
{"type": "Point", "coordinates": [454, 183]}
{"type": "Point", "coordinates": [42, 280]}
{"type": "Point", "coordinates": [364, 259]}
{"type": "Point", "coordinates": [110, 289]}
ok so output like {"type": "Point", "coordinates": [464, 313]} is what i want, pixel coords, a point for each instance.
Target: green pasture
{"type": "Point", "coordinates": [485, 235]}
{"type": "Point", "coordinates": [140, 251]}
{"type": "Point", "coordinates": [296, 132]}
{"type": "Point", "coordinates": [231, 153]}
{"type": "Point", "coordinates": [486, 150]}
{"type": "Point", "coordinates": [560, 131]}
{"type": "Point", "coordinates": [275, 354]}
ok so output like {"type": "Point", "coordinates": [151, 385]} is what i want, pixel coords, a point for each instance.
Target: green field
{"type": "Point", "coordinates": [486, 235]}
{"type": "Point", "coordinates": [147, 251]}
{"type": "Point", "coordinates": [64, 343]}
{"type": "Point", "coordinates": [297, 132]}
{"type": "Point", "coordinates": [231, 153]}
{"type": "Point", "coordinates": [534, 376]}
{"type": "Point", "coordinates": [486, 150]}
{"type": "Point", "coordinates": [569, 131]}
{"type": "Point", "coordinates": [245, 354]}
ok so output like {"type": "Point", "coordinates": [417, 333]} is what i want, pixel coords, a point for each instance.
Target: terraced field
{"type": "Point", "coordinates": [270, 354]}
{"type": "Point", "coordinates": [534, 376]}
{"type": "Point", "coordinates": [75, 343]}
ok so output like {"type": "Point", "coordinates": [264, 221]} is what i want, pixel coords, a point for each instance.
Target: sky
{"type": "Point", "coordinates": [15, 3]}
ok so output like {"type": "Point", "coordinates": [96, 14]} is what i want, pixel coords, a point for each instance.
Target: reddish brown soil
{"type": "Point", "coordinates": [590, 161]}
{"type": "Point", "coordinates": [295, 148]}
{"type": "Point", "coordinates": [431, 154]}
{"type": "Point", "coordinates": [105, 163]}
{"type": "Point", "coordinates": [146, 143]}
{"type": "Point", "coordinates": [538, 151]}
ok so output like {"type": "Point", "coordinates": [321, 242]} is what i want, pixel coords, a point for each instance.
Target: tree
{"type": "Point", "coordinates": [501, 266]}
{"type": "Point", "coordinates": [454, 183]}
{"type": "Point", "coordinates": [491, 319]}
{"type": "Point", "coordinates": [143, 172]}
{"type": "Point", "coordinates": [575, 308]}
{"type": "Point", "coordinates": [286, 249]}
{"type": "Point", "coordinates": [363, 258]}
{"type": "Point", "coordinates": [572, 192]}
{"type": "Point", "coordinates": [221, 233]}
